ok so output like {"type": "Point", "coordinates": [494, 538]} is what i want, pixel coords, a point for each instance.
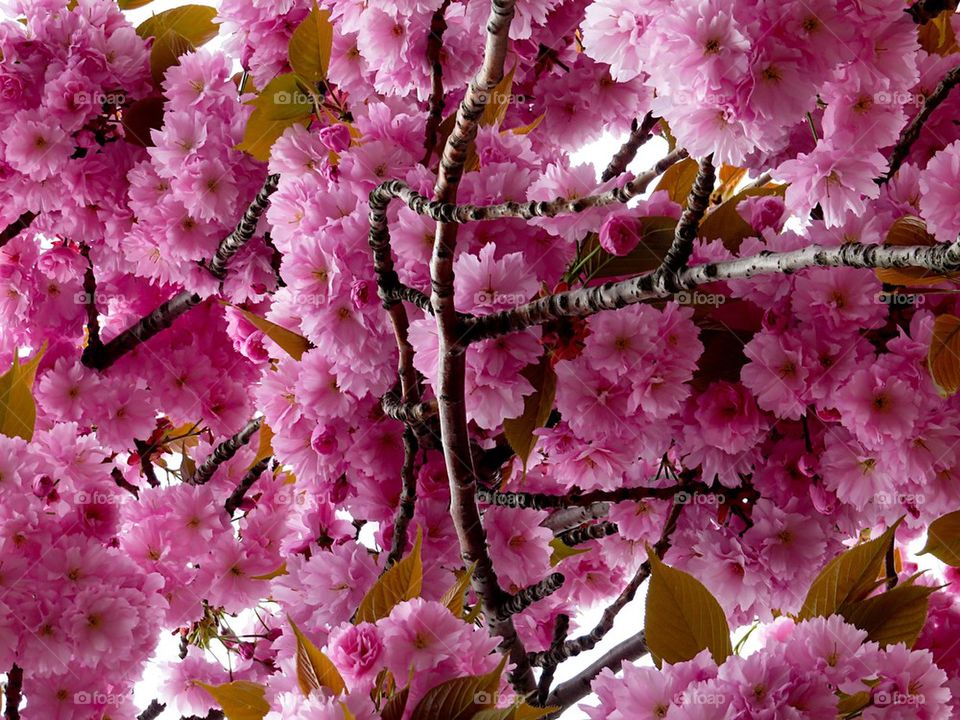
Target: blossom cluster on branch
{"type": "Point", "coordinates": [326, 356]}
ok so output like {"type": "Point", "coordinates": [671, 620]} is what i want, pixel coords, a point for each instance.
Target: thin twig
{"type": "Point", "coordinates": [527, 596]}
{"type": "Point", "coordinates": [408, 498]}
{"type": "Point", "coordinates": [589, 641]}
{"type": "Point", "coordinates": [223, 453]}
{"type": "Point", "coordinates": [438, 26]}
{"type": "Point", "coordinates": [640, 132]}
{"type": "Point", "coordinates": [680, 250]}
{"type": "Point", "coordinates": [153, 711]}
{"type": "Point", "coordinates": [165, 315]}
{"type": "Point", "coordinates": [567, 693]}
{"type": "Point", "coordinates": [910, 133]}
{"type": "Point", "coordinates": [13, 693]}
{"type": "Point", "coordinates": [560, 629]}
{"type": "Point", "coordinates": [240, 492]}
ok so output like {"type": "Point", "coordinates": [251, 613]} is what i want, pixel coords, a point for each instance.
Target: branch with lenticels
{"type": "Point", "coordinates": [450, 389]}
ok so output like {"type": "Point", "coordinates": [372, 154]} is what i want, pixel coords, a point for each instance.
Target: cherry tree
{"type": "Point", "coordinates": [323, 354]}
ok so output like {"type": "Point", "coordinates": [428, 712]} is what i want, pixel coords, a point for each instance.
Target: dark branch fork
{"type": "Point", "coordinates": [103, 356]}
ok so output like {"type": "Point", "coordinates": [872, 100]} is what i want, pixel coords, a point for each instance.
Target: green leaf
{"type": "Point", "coordinates": [310, 46]}
{"type": "Point", "coordinates": [943, 539]}
{"type": "Point", "coordinates": [284, 98]}
{"type": "Point", "coordinates": [401, 582]}
{"type": "Point", "coordinates": [193, 22]}
{"type": "Point", "coordinates": [177, 31]}
{"type": "Point", "coordinates": [261, 132]}
{"type": "Point", "coordinates": [850, 704]}
{"type": "Point", "coordinates": [314, 669]}
{"type": "Point", "coordinates": [290, 342]}
{"type": "Point", "coordinates": [562, 551]}
{"type": "Point", "coordinates": [678, 180]}
{"type": "Point", "coordinates": [537, 407]}
{"type": "Point", "coordinates": [521, 711]}
{"type": "Point", "coordinates": [896, 616]}
{"type": "Point", "coordinates": [943, 356]}
{"type": "Point", "coordinates": [166, 52]}
{"type": "Point", "coordinates": [132, 4]}
{"type": "Point", "coordinates": [849, 577]}
{"type": "Point", "coordinates": [239, 700]}
{"type": "Point", "coordinates": [461, 698]}
{"type": "Point", "coordinates": [682, 617]}
{"type": "Point", "coordinates": [453, 598]}
{"type": "Point", "coordinates": [18, 409]}
{"type": "Point", "coordinates": [394, 707]}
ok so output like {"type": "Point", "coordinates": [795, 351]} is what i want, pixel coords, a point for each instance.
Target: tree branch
{"type": "Point", "coordinates": [923, 11]}
{"type": "Point", "coordinates": [13, 693]}
{"type": "Point", "coordinates": [165, 315]}
{"type": "Point", "coordinates": [240, 492]}
{"type": "Point", "coordinates": [438, 26]}
{"type": "Point", "coordinates": [451, 377]}
{"type": "Point", "coordinates": [529, 595]}
{"type": "Point", "coordinates": [94, 343]}
{"type": "Point", "coordinates": [589, 641]}
{"type": "Point", "coordinates": [560, 628]}
{"type": "Point", "coordinates": [640, 132]}
{"type": "Point", "coordinates": [680, 250]}
{"type": "Point", "coordinates": [245, 229]}
{"type": "Point", "coordinates": [610, 296]}
{"type": "Point", "coordinates": [408, 498]}
{"type": "Point", "coordinates": [910, 133]}
{"type": "Point", "coordinates": [568, 518]}
{"type": "Point", "coordinates": [414, 413]}
{"type": "Point", "coordinates": [448, 212]}
{"type": "Point", "coordinates": [223, 453]}
{"type": "Point", "coordinates": [580, 535]}
{"type": "Point", "coordinates": [577, 687]}
{"type": "Point", "coordinates": [16, 227]}
{"type": "Point", "coordinates": [153, 711]}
